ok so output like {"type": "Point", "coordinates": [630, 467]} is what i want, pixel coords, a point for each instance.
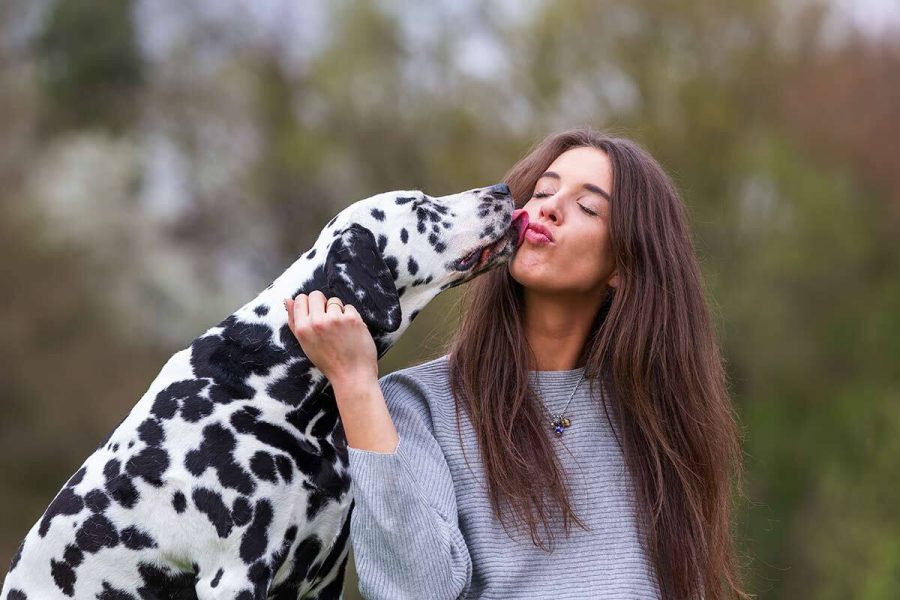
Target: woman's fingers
{"type": "Point", "coordinates": [316, 306]}
{"type": "Point", "coordinates": [307, 309]}
{"type": "Point", "coordinates": [302, 301]}
{"type": "Point", "coordinates": [289, 306]}
{"type": "Point", "coordinates": [334, 307]}
{"type": "Point", "coordinates": [298, 313]}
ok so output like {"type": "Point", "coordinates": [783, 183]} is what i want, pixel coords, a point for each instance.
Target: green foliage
{"type": "Point", "coordinates": [90, 67]}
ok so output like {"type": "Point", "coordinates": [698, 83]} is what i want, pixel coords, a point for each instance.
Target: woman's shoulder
{"type": "Point", "coordinates": [424, 382]}
{"type": "Point", "coordinates": [425, 372]}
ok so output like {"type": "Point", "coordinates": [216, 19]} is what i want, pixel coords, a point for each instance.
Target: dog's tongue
{"type": "Point", "coordinates": [520, 222]}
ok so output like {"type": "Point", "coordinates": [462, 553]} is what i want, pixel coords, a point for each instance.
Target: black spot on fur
{"type": "Point", "coordinates": [289, 389]}
{"type": "Point", "coordinates": [391, 263]}
{"type": "Point", "coordinates": [285, 467]}
{"type": "Point", "coordinates": [16, 557]}
{"type": "Point", "coordinates": [66, 502]}
{"type": "Point", "coordinates": [151, 432]}
{"type": "Point", "coordinates": [241, 511]}
{"type": "Point", "coordinates": [377, 214]}
{"type": "Point", "coordinates": [311, 254]}
{"type": "Point", "coordinates": [237, 352]}
{"type": "Point", "coordinates": [165, 583]}
{"type": "Point", "coordinates": [315, 500]}
{"type": "Point", "coordinates": [404, 235]}
{"type": "Point", "coordinates": [135, 539]}
{"type": "Point", "coordinates": [302, 451]}
{"type": "Point", "coordinates": [97, 532]}
{"type": "Point", "coordinates": [382, 243]}
{"type": "Point", "coordinates": [217, 451]}
{"type": "Point", "coordinates": [150, 463]}
{"type": "Point", "coordinates": [179, 502]}
{"type": "Point", "coordinates": [439, 247]}
{"type": "Point", "coordinates": [96, 501]}
{"type": "Point", "coordinates": [263, 466]}
{"type": "Point", "coordinates": [111, 593]}
{"type": "Point", "coordinates": [16, 595]}
{"type": "Point", "coordinates": [73, 555]}
{"type": "Point", "coordinates": [304, 558]}
{"type": "Point", "coordinates": [119, 486]}
{"type": "Point", "coordinates": [166, 402]}
{"type": "Point", "coordinates": [261, 310]}
{"type": "Point", "coordinates": [216, 579]}
{"type": "Point", "coordinates": [210, 503]}
{"type": "Point", "coordinates": [64, 577]}
{"type": "Point", "coordinates": [259, 575]}
{"type": "Point", "coordinates": [256, 538]}
{"type": "Point", "coordinates": [76, 478]}
{"type": "Point", "coordinates": [412, 265]}
{"type": "Point", "coordinates": [195, 408]}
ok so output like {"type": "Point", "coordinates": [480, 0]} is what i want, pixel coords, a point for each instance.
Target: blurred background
{"type": "Point", "coordinates": [162, 161]}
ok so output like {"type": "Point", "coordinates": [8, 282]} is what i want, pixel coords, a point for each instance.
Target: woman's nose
{"type": "Point", "coordinates": [548, 210]}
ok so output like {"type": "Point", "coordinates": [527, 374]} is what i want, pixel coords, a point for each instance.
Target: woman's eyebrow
{"type": "Point", "coordinates": [588, 186]}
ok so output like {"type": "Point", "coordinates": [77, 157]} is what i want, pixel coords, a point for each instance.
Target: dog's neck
{"type": "Point", "coordinates": [267, 310]}
{"type": "Point", "coordinates": [298, 279]}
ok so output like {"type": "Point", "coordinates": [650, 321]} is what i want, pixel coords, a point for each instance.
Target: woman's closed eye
{"type": "Point", "coordinates": [584, 208]}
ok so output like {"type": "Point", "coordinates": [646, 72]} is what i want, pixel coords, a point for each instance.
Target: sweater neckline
{"type": "Point", "coordinates": [556, 377]}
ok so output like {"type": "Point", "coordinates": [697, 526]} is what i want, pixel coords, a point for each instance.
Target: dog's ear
{"type": "Point", "coordinates": [357, 274]}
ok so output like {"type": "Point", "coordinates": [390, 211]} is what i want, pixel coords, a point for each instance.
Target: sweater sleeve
{"type": "Point", "coordinates": [404, 528]}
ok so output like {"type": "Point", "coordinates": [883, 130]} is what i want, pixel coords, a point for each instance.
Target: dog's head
{"type": "Point", "coordinates": [390, 254]}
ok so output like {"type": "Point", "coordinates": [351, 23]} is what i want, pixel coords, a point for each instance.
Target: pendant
{"type": "Point", "coordinates": [560, 424]}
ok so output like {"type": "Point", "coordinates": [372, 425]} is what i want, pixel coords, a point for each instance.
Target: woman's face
{"type": "Point", "coordinates": [570, 200]}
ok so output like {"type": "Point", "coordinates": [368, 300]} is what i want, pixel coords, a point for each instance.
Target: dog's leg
{"type": "Point", "coordinates": [329, 583]}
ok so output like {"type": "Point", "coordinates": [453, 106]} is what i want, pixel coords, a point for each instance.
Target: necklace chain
{"type": "Point", "coordinates": [560, 422]}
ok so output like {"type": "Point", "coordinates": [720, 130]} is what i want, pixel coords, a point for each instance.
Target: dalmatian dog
{"type": "Point", "coordinates": [228, 479]}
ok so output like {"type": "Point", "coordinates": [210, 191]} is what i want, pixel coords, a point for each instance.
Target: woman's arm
{"type": "Point", "coordinates": [338, 343]}
{"type": "Point", "coordinates": [364, 415]}
{"type": "Point", "coordinates": [404, 528]}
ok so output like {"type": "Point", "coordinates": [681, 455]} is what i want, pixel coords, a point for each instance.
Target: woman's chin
{"type": "Point", "coordinates": [527, 274]}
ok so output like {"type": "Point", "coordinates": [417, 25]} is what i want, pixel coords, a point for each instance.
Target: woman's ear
{"type": "Point", "coordinates": [613, 281]}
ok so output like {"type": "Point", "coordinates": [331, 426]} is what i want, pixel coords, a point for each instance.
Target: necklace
{"type": "Point", "coordinates": [560, 422]}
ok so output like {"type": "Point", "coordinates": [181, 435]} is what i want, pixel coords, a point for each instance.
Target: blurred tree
{"type": "Point", "coordinates": [89, 65]}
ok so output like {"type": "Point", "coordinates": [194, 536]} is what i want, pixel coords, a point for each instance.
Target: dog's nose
{"type": "Point", "coordinates": [501, 189]}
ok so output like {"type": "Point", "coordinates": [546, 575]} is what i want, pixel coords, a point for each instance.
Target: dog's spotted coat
{"type": "Point", "coordinates": [228, 479]}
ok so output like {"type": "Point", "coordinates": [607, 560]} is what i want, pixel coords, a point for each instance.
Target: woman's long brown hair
{"type": "Point", "coordinates": [653, 351]}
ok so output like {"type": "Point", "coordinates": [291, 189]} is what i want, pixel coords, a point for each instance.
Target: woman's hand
{"type": "Point", "coordinates": [334, 338]}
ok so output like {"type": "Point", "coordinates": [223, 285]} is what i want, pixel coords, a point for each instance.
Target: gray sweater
{"type": "Point", "coordinates": [423, 528]}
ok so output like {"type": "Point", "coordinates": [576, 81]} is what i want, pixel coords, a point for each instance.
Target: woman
{"type": "Point", "coordinates": [445, 456]}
